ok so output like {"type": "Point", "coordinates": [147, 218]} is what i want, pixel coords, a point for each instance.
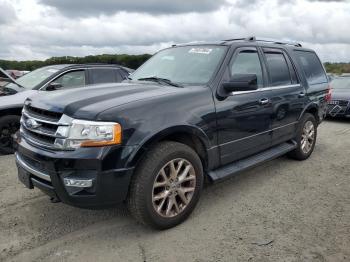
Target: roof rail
{"type": "Point", "coordinates": [266, 40]}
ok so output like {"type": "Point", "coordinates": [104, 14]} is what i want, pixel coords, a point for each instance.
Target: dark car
{"type": "Point", "coordinates": [339, 106]}
{"type": "Point", "coordinates": [49, 78]}
{"type": "Point", "coordinates": [191, 113]}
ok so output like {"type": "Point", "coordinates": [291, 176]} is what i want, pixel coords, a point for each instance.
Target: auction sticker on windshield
{"type": "Point", "coordinates": [205, 51]}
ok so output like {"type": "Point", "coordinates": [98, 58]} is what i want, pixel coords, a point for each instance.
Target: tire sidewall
{"type": "Point", "coordinates": [306, 118]}
{"type": "Point", "coordinates": [5, 120]}
{"type": "Point", "coordinates": [163, 222]}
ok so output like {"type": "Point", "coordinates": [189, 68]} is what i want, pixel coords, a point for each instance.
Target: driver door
{"type": "Point", "coordinates": [244, 117]}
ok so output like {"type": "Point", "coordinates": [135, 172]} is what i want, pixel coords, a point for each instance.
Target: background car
{"type": "Point", "coordinates": [15, 73]}
{"type": "Point", "coordinates": [49, 78]}
{"type": "Point", "coordinates": [339, 105]}
{"type": "Point", "coordinates": [5, 78]}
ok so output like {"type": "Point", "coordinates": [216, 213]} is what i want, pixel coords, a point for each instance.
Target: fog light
{"type": "Point", "coordinates": [72, 182]}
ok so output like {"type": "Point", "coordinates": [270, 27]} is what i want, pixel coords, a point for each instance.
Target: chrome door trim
{"type": "Point", "coordinates": [262, 89]}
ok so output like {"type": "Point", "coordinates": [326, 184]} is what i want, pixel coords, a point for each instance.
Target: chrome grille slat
{"type": "Point", "coordinates": [42, 129]}
{"type": "Point", "coordinates": [29, 115]}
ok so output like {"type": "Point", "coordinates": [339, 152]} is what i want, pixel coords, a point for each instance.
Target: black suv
{"type": "Point", "coordinates": [13, 93]}
{"type": "Point", "coordinates": [192, 112]}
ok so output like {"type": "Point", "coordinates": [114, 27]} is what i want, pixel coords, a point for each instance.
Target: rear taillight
{"type": "Point", "coordinates": [328, 96]}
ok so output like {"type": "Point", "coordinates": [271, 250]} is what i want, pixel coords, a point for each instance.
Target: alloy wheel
{"type": "Point", "coordinates": [307, 137]}
{"type": "Point", "coordinates": [173, 187]}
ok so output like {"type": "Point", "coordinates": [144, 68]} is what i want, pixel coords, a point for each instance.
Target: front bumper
{"type": "Point", "coordinates": [103, 167]}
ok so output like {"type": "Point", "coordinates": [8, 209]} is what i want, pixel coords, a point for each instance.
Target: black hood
{"type": "Point", "coordinates": [88, 102]}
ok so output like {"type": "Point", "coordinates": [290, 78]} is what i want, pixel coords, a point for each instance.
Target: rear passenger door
{"type": "Point", "coordinates": [287, 96]}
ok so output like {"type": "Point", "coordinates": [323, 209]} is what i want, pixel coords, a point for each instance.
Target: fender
{"type": "Point", "coordinates": [310, 106]}
{"type": "Point", "coordinates": [15, 110]}
{"type": "Point", "coordinates": [161, 134]}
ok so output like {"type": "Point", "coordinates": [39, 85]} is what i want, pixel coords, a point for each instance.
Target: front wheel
{"type": "Point", "coordinates": [305, 138]}
{"type": "Point", "coordinates": [166, 186]}
{"type": "Point", "coordinates": [9, 125]}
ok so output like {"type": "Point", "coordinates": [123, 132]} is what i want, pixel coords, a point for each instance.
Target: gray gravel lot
{"type": "Point", "coordinates": [284, 210]}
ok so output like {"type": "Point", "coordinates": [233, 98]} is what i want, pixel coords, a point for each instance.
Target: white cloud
{"type": "Point", "coordinates": [38, 31]}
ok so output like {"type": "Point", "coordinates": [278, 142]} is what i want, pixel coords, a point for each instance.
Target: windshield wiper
{"type": "Point", "coordinates": [159, 80]}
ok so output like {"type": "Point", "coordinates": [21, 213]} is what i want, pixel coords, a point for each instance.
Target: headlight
{"type": "Point", "coordinates": [83, 133]}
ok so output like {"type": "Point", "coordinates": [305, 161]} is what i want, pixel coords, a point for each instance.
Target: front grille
{"type": "Point", "coordinates": [39, 127]}
{"type": "Point", "coordinates": [43, 114]}
{"type": "Point", "coordinates": [339, 102]}
{"type": "Point", "coordinates": [337, 107]}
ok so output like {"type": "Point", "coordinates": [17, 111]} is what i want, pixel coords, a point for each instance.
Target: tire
{"type": "Point", "coordinates": [9, 125]}
{"type": "Point", "coordinates": [149, 183]}
{"type": "Point", "coordinates": [302, 151]}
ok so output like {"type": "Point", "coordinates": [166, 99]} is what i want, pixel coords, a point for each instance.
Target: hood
{"type": "Point", "coordinates": [88, 102]}
{"type": "Point", "coordinates": [16, 100]}
{"type": "Point", "coordinates": [341, 94]}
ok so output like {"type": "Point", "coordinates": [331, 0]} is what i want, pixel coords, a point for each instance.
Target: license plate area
{"type": "Point", "coordinates": [24, 177]}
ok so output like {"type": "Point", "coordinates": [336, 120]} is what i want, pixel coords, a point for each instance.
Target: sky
{"type": "Point", "coordinates": [39, 29]}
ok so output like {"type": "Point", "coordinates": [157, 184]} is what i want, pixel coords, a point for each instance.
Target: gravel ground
{"type": "Point", "coordinates": [284, 210]}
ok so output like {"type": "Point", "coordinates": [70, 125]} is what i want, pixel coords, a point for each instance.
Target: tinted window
{"type": "Point", "coordinates": [72, 79]}
{"type": "Point", "coordinates": [278, 69]}
{"type": "Point", "coordinates": [247, 62]}
{"type": "Point", "coordinates": [312, 67]}
{"type": "Point", "coordinates": [99, 76]}
{"type": "Point", "coordinates": [119, 75]}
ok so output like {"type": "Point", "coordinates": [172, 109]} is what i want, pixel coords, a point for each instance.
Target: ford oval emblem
{"type": "Point", "coordinates": [32, 124]}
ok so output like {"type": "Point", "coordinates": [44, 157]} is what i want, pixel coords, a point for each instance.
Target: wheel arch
{"type": "Point", "coordinates": [313, 109]}
{"type": "Point", "coordinates": [11, 111]}
{"type": "Point", "coordinates": [188, 135]}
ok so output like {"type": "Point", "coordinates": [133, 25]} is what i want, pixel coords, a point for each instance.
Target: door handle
{"type": "Point", "coordinates": [301, 94]}
{"type": "Point", "coordinates": [263, 101]}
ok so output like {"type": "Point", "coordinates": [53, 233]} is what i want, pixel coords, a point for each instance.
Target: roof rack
{"type": "Point", "coordinates": [266, 40]}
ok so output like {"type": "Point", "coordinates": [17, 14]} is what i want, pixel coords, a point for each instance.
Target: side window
{"type": "Point", "coordinates": [103, 75]}
{"type": "Point", "coordinates": [119, 75]}
{"type": "Point", "coordinates": [312, 67]}
{"type": "Point", "coordinates": [72, 79]}
{"type": "Point", "coordinates": [247, 62]}
{"type": "Point", "coordinates": [278, 69]}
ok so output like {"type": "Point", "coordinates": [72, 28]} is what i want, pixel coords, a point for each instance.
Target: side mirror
{"type": "Point", "coordinates": [241, 82]}
{"type": "Point", "coordinates": [53, 86]}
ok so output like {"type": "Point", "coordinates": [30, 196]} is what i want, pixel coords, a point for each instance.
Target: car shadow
{"type": "Point", "coordinates": [338, 119]}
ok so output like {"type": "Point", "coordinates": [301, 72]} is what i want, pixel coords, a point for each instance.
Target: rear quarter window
{"type": "Point", "coordinates": [312, 67]}
{"type": "Point", "coordinates": [103, 75]}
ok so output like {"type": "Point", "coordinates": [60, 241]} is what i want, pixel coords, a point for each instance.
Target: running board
{"type": "Point", "coordinates": [249, 162]}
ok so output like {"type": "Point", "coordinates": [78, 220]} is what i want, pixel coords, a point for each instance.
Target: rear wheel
{"type": "Point", "coordinates": [306, 138]}
{"type": "Point", "coordinates": [9, 125]}
{"type": "Point", "coordinates": [166, 186]}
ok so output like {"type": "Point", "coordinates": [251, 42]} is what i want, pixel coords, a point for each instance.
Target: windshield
{"type": "Point", "coordinates": [341, 83]}
{"type": "Point", "coordinates": [183, 65]}
{"type": "Point", "coordinates": [32, 79]}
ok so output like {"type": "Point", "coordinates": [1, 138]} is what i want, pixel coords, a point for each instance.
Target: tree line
{"type": "Point", "coordinates": [131, 61]}
{"type": "Point", "coordinates": [337, 68]}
